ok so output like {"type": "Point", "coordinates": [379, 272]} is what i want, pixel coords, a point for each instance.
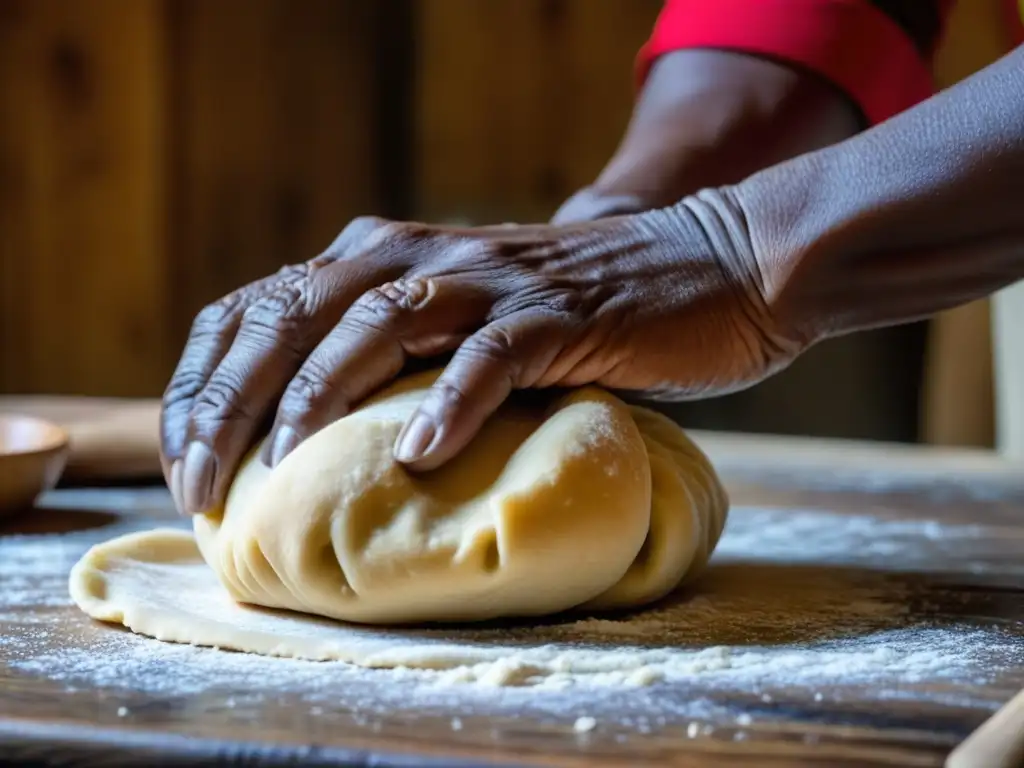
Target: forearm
{"type": "Point", "coordinates": [919, 214]}
{"type": "Point", "coordinates": [734, 86]}
{"type": "Point", "coordinates": [708, 118]}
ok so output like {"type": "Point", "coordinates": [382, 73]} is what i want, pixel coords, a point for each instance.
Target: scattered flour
{"type": "Point", "coordinates": [903, 545]}
{"type": "Point", "coordinates": [584, 724]}
{"type": "Point", "coordinates": [783, 612]}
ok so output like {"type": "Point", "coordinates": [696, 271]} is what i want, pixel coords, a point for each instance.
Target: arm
{"type": "Point", "coordinates": [734, 86]}
{"type": "Point", "coordinates": [704, 297]}
{"type": "Point", "coordinates": [919, 214]}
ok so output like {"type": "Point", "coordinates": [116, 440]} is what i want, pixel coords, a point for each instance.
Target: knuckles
{"type": "Point", "coordinates": [493, 341]}
{"type": "Point", "coordinates": [310, 386]}
{"type": "Point", "coordinates": [281, 319]}
{"type": "Point", "coordinates": [185, 385]}
{"type": "Point", "coordinates": [273, 309]}
{"type": "Point", "coordinates": [380, 308]}
{"type": "Point", "coordinates": [397, 297]}
{"type": "Point", "coordinates": [214, 318]}
{"type": "Point", "coordinates": [404, 294]}
{"type": "Point", "coordinates": [365, 233]}
{"type": "Point", "coordinates": [220, 401]}
{"type": "Point", "coordinates": [290, 309]}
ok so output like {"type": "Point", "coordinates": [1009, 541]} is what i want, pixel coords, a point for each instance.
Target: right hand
{"type": "Point", "coordinates": [668, 304]}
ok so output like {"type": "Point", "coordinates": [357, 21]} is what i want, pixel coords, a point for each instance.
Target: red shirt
{"type": "Point", "coordinates": [851, 43]}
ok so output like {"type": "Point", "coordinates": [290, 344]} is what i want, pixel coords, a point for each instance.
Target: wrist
{"type": "Point", "coordinates": [719, 222]}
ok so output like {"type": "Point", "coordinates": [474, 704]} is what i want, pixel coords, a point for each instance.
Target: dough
{"type": "Point", "coordinates": [588, 503]}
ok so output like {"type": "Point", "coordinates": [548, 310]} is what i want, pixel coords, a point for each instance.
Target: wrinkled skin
{"type": "Point", "coordinates": [643, 302]}
{"type": "Point", "coordinates": [647, 303]}
{"type": "Point", "coordinates": [709, 295]}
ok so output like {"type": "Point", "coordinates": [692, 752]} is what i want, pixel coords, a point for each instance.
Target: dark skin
{"type": "Point", "coordinates": [707, 295]}
{"type": "Point", "coordinates": [709, 118]}
{"type": "Point", "coordinates": [704, 118]}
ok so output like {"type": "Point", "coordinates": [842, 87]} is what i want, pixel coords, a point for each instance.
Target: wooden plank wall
{"type": "Point", "coordinates": [271, 146]}
{"type": "Point", "coordinates": [82, 196]}
{"type": "Point", "coordinates": [155, 154]}
{"type": "Point", "coordinates": [520, 102]}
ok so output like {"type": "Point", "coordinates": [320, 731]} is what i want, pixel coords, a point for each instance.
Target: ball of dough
{"type": "Point", "coordinates": [588, 502]}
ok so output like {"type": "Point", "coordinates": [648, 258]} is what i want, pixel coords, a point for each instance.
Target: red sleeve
{"type": "Point", "coordinates": [851, 43]}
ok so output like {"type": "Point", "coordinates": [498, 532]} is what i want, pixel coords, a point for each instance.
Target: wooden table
{"type": "Point", "coordinates": [939, 532]}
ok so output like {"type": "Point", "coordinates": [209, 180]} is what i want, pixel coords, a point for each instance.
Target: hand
{"type": "Point", "coordinates": [667, 303]}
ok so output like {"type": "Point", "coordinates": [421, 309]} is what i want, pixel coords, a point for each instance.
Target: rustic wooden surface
{"type": "Point", "coordinates": [47, 719]}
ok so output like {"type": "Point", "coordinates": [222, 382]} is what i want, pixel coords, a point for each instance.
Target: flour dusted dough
{"type": "Point", "coordinates": [589, 503]}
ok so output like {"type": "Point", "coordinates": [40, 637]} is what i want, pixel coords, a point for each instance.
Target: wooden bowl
{"type": "Point", "coordinates": [33, 453]}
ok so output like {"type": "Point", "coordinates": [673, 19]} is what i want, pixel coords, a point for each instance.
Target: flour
{"type": "Point", "coordinates": [766, 621]}
{"type": "Point", "coordinates": [887, 664]}
{"type": "Point", "coordinates": [742, 612]}
{"type": "Point", "coordinates": [769, 621]}
{"type": "Point", "coordinates": [584, 724]}
{"type": "Point", "coordinates": [902, 545]}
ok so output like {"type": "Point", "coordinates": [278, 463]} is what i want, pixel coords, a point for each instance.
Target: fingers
{"type": "Point", "coordinates": [272, 339]}
{"type": "Point", "coordinates": [339, 328]}
{"type": "Point", "coordinates": [276, 335]}
{"type": "Point", "coordinates": [511, 353]}
{"type": "Point", "coordinates": [369, 347]}
{"type": "Point", "coordinates": [242, 352]}
{"type": "Point", "coordinates": [210, 338]}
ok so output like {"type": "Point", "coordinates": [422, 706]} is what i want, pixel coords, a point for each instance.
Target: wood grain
{"type": "Point", "coordinates": [520, 103]}
{"type": "Point", "coordinates": [273, 138]}
{"type": "Point", "coordinates": [46, 719]}
{"type": "Point", "coordinates": [82, 194]}
{"type": "Point", "coordinates": [157, 154]}
{"type": "Point", "coordinates": [958, 397]}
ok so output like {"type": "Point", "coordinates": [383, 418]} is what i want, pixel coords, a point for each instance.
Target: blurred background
{"type": "Point", "coordinates": [156, 154]}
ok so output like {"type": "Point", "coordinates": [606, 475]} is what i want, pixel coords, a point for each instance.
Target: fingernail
{"type": "Point", "coordinates": [197, 476]}
{"type": "Point", "coordinates": [285, 441]}
{"type": "Point", "coordinates": [415, 438]}
{"type": "Point", "coordinates": [174, 485]}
